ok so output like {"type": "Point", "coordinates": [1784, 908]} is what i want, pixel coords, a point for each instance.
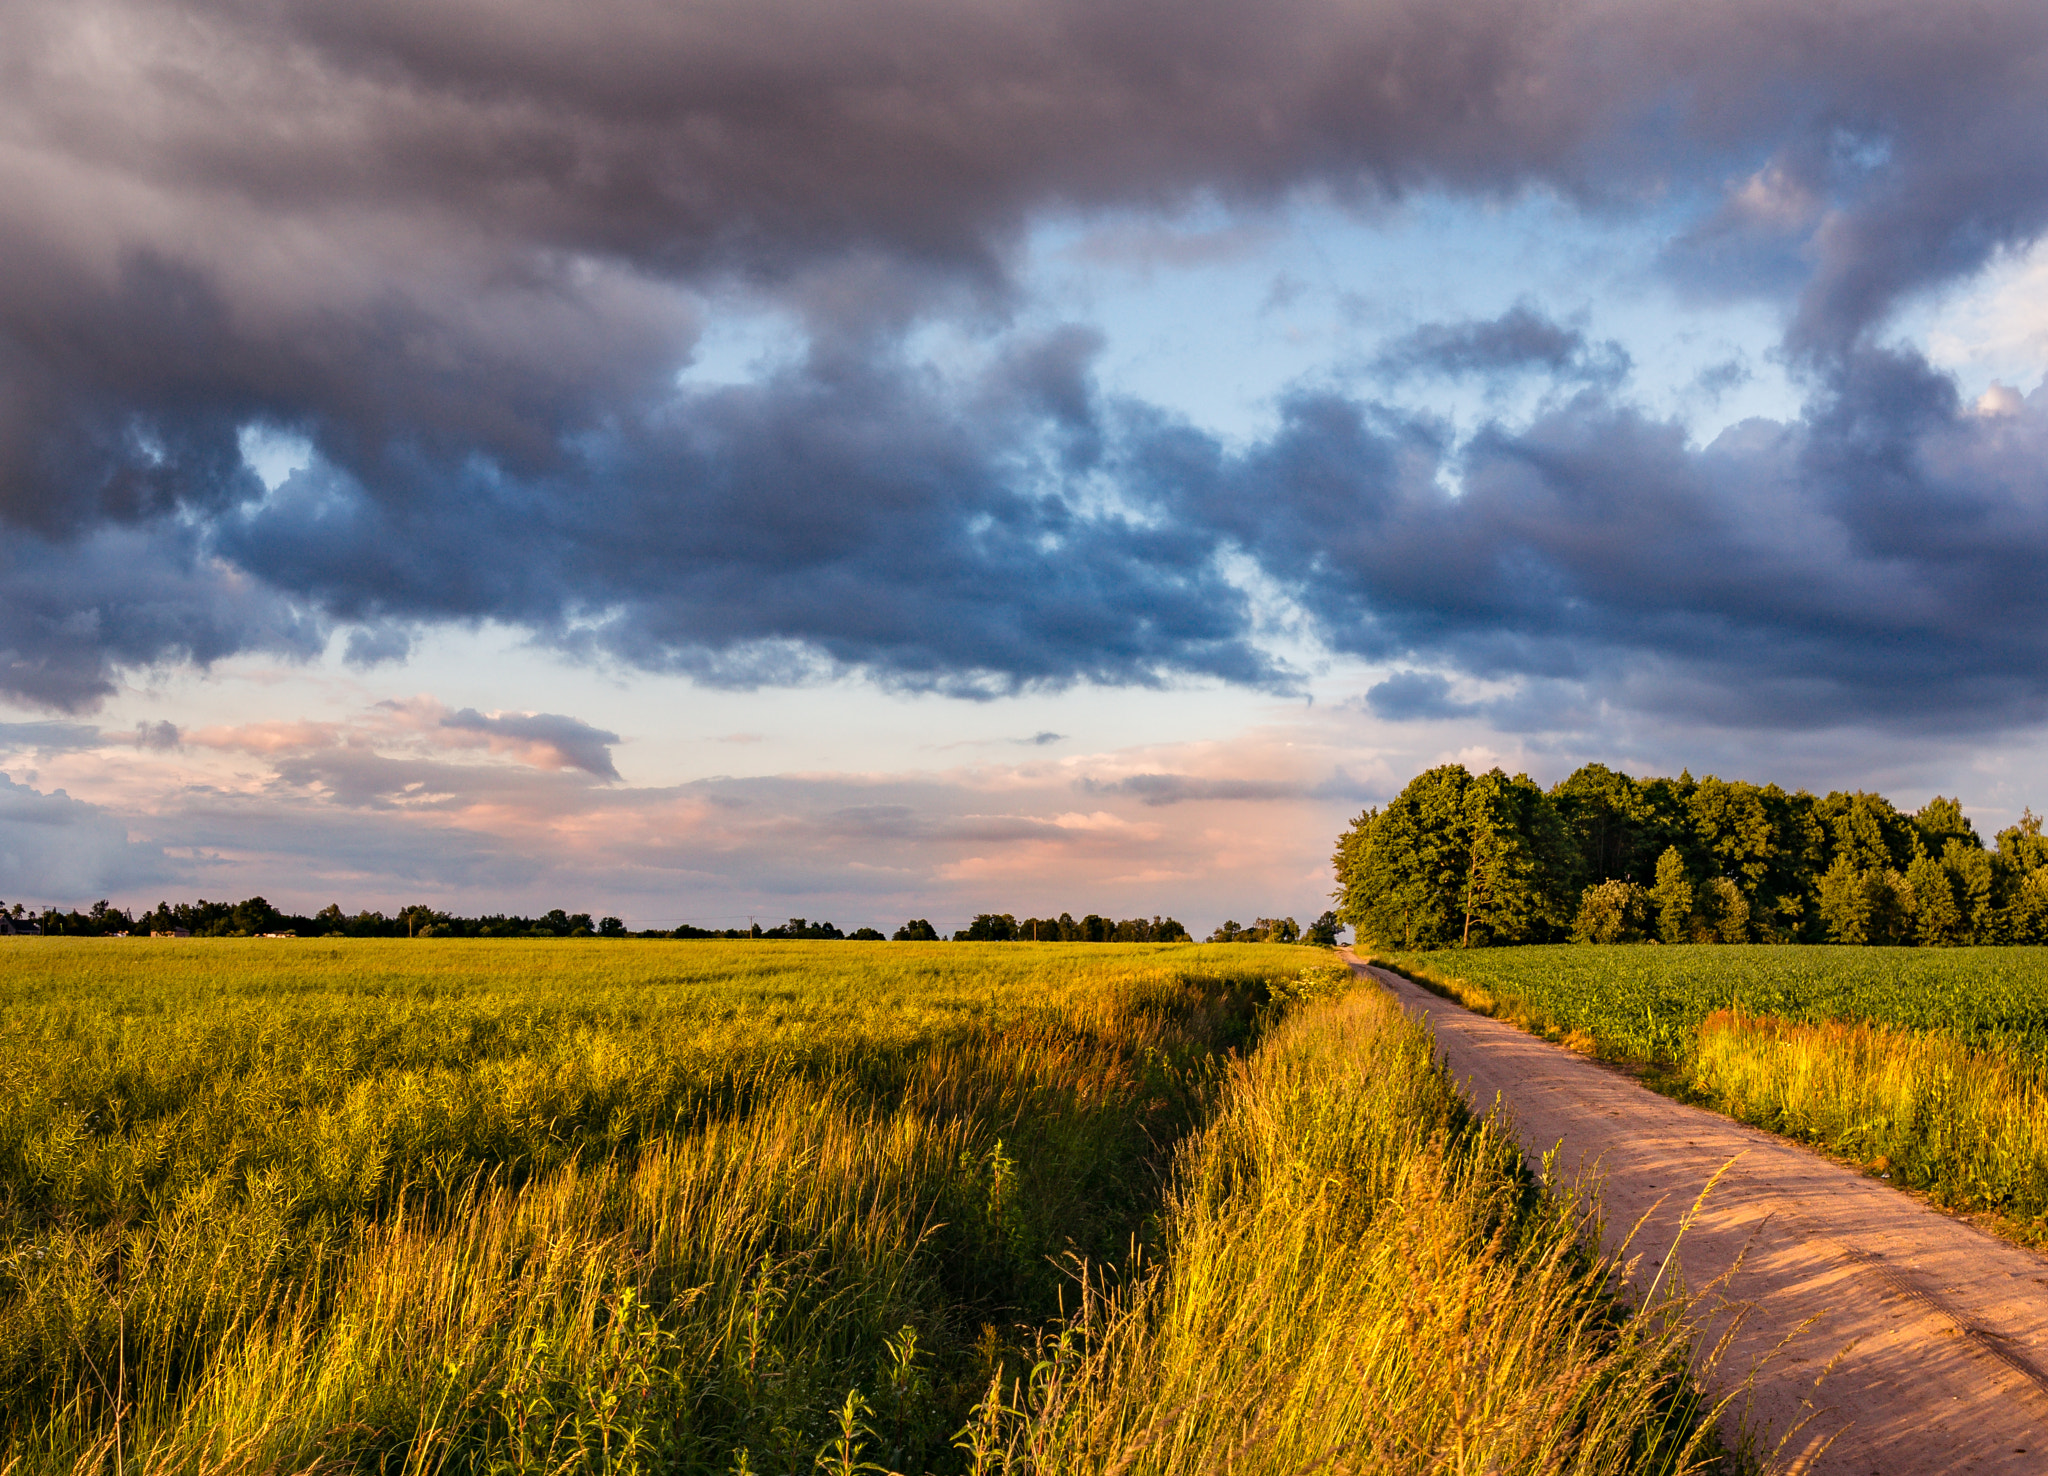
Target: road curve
{"type": "Point", "coordinates": [1938, 1332]}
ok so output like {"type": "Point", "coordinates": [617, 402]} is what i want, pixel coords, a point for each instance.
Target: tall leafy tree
{"type": "Point", "coordinates": [1942, 820]}
{"type": "Point", "coordinates": [1938, 916]}
{"type": "Point", "coordinates": [1455, 859]}
{"type": "Point", "coordinates": [1975, 878]}
{"type": "Point", "coordinates": [1401, 870]}
{"type": "Point", "coordinates": [1672, 897]}
{"type": "Point", "coordinates": [1867, 830]}
{"type": "Point", "coordinates": [1845, 902]}
{"type": "Point", "coordinates": [1611, 822]}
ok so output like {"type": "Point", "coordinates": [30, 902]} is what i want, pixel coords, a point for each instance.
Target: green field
{"type": "Point", "coordinates": [1929, 1065]}
{"type": "Point", "coordinates": [1647, 1001]}
{"type": "Point", "coordinates": [709, 1207]}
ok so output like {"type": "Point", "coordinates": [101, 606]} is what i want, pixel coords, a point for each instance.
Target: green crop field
{"type": "Point", "coordinates": [1930, 1065]}
{"type": "Point", "coordinates": [436, 1206]}
{"type": "Point", "coordinates": [1646, 1001]}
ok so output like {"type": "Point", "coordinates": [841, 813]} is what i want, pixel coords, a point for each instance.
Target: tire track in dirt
{"type": "Point", "coordinates": [1933, 1336]}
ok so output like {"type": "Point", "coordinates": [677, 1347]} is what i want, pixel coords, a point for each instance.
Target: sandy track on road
{"type": "Point", "coordinates": [1939, 1331]}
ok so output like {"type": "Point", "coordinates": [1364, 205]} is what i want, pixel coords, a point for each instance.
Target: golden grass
{"type": "Point", "coordinates": [1356, 1276]}
{"type": "Point", "coordinates": [1968, 1127]}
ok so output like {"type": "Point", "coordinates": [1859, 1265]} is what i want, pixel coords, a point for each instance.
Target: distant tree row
{"type": "Point", "coordinates": [99, 921]}
{"type": "Point", "coordinates": [256, 917]}
{"type": "Point", "coordinates": [1001, 927]}
{"type": "Point", "coordinates": [1462, 859]}
{"type": "Point", "coordinates": [1322, 932]}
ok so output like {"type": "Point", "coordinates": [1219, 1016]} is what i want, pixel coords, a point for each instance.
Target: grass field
{"type": "Point", "coordinates": [1928, 1065]}
{"type": "Point", "coordinates": [553, 1207]}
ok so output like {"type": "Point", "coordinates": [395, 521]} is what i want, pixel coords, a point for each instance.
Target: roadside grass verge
{"type": "Point", "coordinates": [1957, 1112]}
{"type": "Point", "coordinates": [1355, 1274]}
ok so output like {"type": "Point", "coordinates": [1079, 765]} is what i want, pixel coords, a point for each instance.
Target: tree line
{"type": "Point", "coordinates": [256, 917]}
{"type": "Point", "coordinates": [1002, 927]}
{"type": "Point", "coordinates": [1474, 860]}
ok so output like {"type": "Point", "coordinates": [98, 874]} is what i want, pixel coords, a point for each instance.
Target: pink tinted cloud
{"type": "Point", "coordinates": [266, 738]}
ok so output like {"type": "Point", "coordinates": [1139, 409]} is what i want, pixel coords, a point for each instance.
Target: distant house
{"type": "Point", "coordinates": [19, 927]}
{"type": "Point", "coordinates": [286, 934]}
{"type": "Point", "coordinates": [172, 933]}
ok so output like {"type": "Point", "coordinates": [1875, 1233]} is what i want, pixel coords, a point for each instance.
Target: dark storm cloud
{"type": "Point", "coordinates": [1416, 694]}
{"type": "Point", "coordinates": [844, 513]}
{"type": "Point", "coordinates": [75, 610]}
{"type": "Point", "coordinates": [1519, 339]}
{"type": "Point", "coordinates": [1876, 562]}
{"type": "Point", "coordinates": [462, 250]}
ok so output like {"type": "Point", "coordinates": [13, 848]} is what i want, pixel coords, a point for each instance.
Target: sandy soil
{"type": "Point", "coordinates": [1937, 1333]}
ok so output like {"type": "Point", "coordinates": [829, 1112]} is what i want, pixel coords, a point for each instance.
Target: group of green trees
{"type": "Point", "coordinates": [99, 921]}
{"type": "Point", "coordinates": [256, 917]}
{"type": "Point", "coordinates": [1002, 927]}
{"type": "Point", "coordinates": [1463, 859]}
{"type": "Point", "coordinates": [1322, 932]}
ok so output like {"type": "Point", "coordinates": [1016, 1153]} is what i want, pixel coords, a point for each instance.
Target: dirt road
{"type": "Point", "coordinates": [1939, 1332]}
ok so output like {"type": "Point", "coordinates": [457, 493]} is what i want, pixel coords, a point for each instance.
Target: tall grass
{"type": "Point", "coordinates": [1968, 1127]}
{"type": "Point", "coordinates": [1355, 1275]}
{"type": "Point", "coordinates": [605, 1206]}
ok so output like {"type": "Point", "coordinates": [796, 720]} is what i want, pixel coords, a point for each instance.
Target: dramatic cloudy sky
{"type": "Point", "coordinates": [753, 457]}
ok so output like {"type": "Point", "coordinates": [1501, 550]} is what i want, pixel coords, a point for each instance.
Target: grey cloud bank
{"type": "Point", "coordinates": [463, 252]}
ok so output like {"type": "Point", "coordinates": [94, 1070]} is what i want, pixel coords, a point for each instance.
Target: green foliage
{"type": "Point", "coordinates": [1262, 930]}
{"type": "Point", "coordinates": [1612, 912]}
{"type": "Point", "coordinates": [1458, 858]}
{"type": "Point", "coordinates": [1462, 860]}
{"type": "Point", "coordinates": [1724, 917]}
{"type": "Point", "coordinates": [1672, 898]}
{"type": "Point", "coordinates": [1937, 912]}
{"type": "Point", "coordinates": [1001, 927]}
{"type": "Point", "coordinates": [1942, 823]}
{"type": "Point", "coordinates": [1322, 933]}
{"type": "Point", "coordinates": [1646, 1003]}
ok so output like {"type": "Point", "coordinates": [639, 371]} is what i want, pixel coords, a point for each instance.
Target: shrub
{"type": "Point", "coordinates": [1612, 912]}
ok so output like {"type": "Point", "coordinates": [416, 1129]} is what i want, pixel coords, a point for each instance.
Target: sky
{"type": "Point", "coordinates": [909, 459]}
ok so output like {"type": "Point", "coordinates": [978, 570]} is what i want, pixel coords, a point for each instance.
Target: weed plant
{"type": "Point", "coordinates": [1929, 1066]}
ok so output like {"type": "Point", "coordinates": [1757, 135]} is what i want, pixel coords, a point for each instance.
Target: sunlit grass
{"type": "Point", "coordinates": [1969, 1127]}
{"type": "Point", "coordinates": [1356, 1275]}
